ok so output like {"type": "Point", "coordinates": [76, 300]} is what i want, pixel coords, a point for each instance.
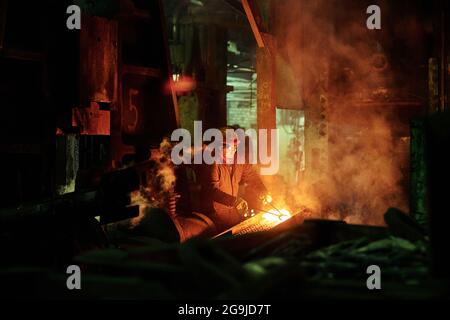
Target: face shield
{"type": "Point", "coordinates": [229, 150]}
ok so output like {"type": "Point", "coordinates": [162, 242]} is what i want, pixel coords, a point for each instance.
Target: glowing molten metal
{"type": "Point", "coordinates": [275, 217]}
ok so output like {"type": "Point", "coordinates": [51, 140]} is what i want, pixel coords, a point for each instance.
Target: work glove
{"type": "Point", "coordinates": [266, 199]}
{"type": "Point", "coordinates": [241, 206]}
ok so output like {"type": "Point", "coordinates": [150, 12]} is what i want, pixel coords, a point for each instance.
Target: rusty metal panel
{"type": "Point", "coordinates": [266, 89]}
{"type": "Point", "coordinates": [92, 121]}
{"type": "Point", "coordinates": [98, 60]}
{"type": "Point", "coordinates": [146, 112]}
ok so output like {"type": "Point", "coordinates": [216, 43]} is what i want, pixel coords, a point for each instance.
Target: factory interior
{"type": "Point", "coordinates": [90, 186]}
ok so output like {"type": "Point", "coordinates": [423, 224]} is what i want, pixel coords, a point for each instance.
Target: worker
{"type": "Point", "coordinates": [220, 182]}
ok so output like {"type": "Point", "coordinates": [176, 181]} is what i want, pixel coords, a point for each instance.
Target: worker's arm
{"type": "Point", "coordinates": [253, 179]}
{"type": "Point", "coordinates": [209, 179]}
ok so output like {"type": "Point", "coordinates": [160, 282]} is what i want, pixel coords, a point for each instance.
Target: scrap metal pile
{"type": "Point", "coordinates": [316, 259]}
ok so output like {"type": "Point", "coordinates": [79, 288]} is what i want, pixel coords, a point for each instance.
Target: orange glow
{"type": "Point", "coordinates": [181, 84]}
{"type": "Point", "coordinates": [274, 217]}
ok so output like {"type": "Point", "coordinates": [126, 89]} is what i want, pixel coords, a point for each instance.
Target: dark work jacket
{"type": "Point", "coordinates": [219, 190]}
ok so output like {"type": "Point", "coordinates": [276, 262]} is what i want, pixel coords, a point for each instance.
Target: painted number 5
{"type": "Point", "coordinates": [132, 110]}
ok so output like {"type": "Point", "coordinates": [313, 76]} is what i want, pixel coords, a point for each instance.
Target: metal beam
{"type": "Point", "coordinates": [256, 21]}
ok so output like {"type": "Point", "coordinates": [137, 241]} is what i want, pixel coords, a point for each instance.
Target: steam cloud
{"type": "Point", "coordinates": [160, 185]}
{"type": "Point", "coordinates": [366, 158]}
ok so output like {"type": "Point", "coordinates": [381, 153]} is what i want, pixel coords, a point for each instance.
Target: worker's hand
{"type": "Point", "coordinates": [241, 206]}
{"type": "Point", "coordinates": [266, 199]}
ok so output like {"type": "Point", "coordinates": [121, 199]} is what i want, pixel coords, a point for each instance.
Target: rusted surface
{"type": "Point", "coordinates": [143, 71]}
{"type": "Point", "coordinates": [91, 121]}
{"type": "Point", "coordinates": [98, 60]}
{"type": "Point", "coordinates": [266, 113]}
